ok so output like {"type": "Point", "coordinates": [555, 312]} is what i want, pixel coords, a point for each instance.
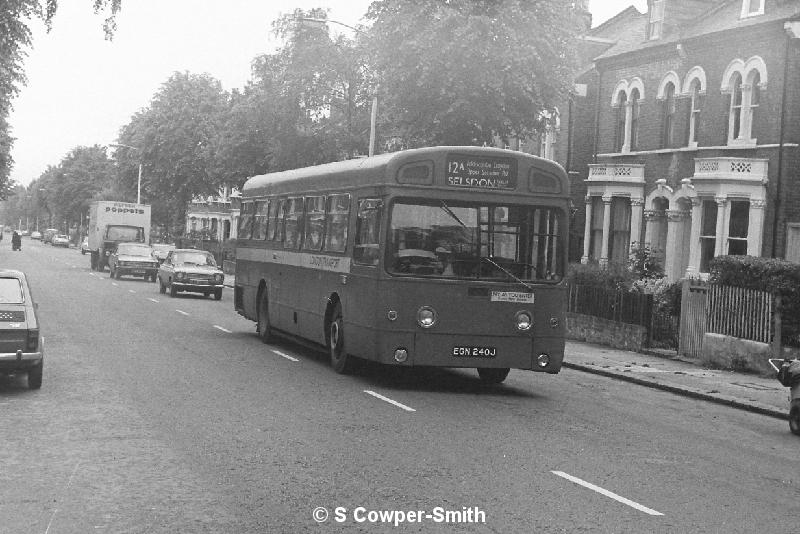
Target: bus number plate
{"type": "Point", "coordinates": [461, 351]}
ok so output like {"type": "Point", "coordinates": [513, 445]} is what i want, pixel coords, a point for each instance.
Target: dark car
{"type": "Point", "coordinates": [133, 259]}
{"type": "Point", "coordinates": [190, 270]}
{"type": "Point", "coordinates": [21, 346]}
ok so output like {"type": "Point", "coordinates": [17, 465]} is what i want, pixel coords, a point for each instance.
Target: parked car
{"type": "Point", "coordinates": [190, 270]}
{"type": "Point", "coordinates": [21, 346]}
{"type": "Point", "coordinates": [36, 235]}
{"type": "Point", "coordinates": [85, 245]}
{"type": "Point", "coordinates": [48, 235]}
{"type": "Point", "coordinates": [60, 240]}
{"type": "Point", "coordinates": [160, 251]}
{"type": "Point", "coordinates": [133, 259]}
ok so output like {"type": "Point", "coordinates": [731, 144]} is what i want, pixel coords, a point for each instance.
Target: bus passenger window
{"type": "Point", "coordinates": [314, 223]}
{"type": "Point", "coordinates": [260, 220]}
{"type": "Point", "coordinates": [294, 219]}
{"type": "Point", "coordinates": [337, 217]}
{"type": "Point", "coordinates": [246, 220]}
{"type": "Point", "coordinates": [368, 231]}
{"type": "Point", "coordinates": [275, 227]}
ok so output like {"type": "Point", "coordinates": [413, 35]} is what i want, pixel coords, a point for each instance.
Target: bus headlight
{"type": "Point", "coordinates": [426, 317]}
{"type": "Point", "coordinates": [543, 360]}
{"type": "Point", "coordinates": [400, 355]}
{"type": "Point", "coordinates": [524, 321]}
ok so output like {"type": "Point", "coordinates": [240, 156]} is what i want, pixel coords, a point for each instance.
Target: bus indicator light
{"type": "Point", "coordinates": [400, 355]}
{"type": "Point", "coordinates": [391, 315]}
{"type": "Point", "coordinates": [543, 360]}
{"type": "Point", "coordinates": [426, 317]}
{"type": "Point", "coordinates": [524, 321]}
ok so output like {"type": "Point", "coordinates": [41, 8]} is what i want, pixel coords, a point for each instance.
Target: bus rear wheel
{"type": "Point", "coordinates": [491, 375]}
{"type": "Point", "coordinates": [341, 362]}
{"type": "Point", "coordinates": [264, 328]}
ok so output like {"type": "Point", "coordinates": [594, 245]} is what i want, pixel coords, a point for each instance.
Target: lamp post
{"type": "Point", "coordinates": [374, 114]}
{"type": "Point", "coordinates": [139, 182]}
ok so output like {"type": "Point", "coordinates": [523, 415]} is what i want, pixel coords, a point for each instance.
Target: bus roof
{"type": "Point", "coordinates": [382, 170]}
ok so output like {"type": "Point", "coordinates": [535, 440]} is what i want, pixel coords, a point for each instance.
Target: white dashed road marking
{"type": "Point", "coordinates": [390, 401]}
{"type": "Point", "coordinates": [291, 358]}
{"type": "Point", "coordinates": [153, 300]}
{"type": "Point", "coordinates": [607, 493]}
{"type": "Point", "coordinates": [182, 312]}
{"type": "Point", "coordinates": [218, 327]}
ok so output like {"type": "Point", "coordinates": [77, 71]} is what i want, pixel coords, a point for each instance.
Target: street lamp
{"type": "Point", "coordinates": [374, 114]}
{"type": "Point", "coordinates": [139, 182]}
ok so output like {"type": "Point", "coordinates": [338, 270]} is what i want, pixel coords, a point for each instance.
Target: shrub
{"type": "Point", "coordinates": [612, 276]}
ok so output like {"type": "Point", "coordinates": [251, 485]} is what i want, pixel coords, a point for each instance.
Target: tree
{"type": "Point", "coordinates": [176, 138]}
{"type": "Point", "coordinates": [83, 174]}
{"type": "Point", "coordinates": [465, 71]}
{"type": "Point", "coordinates": [15, 39]}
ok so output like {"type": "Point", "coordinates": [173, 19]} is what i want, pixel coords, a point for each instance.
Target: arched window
{"type": "Point", "coordinates": [755, 98]}
{"type": "Point", "coordinates": [668, 119]}
{"type": "Point", "coordinates": [619, 134]}
{"type": "Point", "coordinates": [695, 105]}
{"type": "Point", "coordinates": [735, 116]}
{"type": "Point", "coordinates": [634, 119]}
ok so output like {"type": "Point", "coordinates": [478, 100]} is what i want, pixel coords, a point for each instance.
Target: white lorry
{"type": "Point", "coordinates": [111, 223]}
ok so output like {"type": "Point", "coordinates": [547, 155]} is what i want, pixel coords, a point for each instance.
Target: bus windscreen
{"type": "Point", "coordinates": [474, 240]}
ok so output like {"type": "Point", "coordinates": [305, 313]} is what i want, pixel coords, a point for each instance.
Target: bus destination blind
{"type": "Point", "coordinates": [476, 172]}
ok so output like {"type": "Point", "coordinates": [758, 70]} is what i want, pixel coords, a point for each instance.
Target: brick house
{"type": "Point", "coordinates": [683, 134]}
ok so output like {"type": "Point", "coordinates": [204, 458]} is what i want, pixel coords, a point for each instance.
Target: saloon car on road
{"type": "Point", "coordinates": [60, 240]}
{"type": "Point", "coordinates": [133, 259]}
{"type": "Point", "coordinates": [21, 347]}
{"type": "Point", "coordinates": [190, 270]}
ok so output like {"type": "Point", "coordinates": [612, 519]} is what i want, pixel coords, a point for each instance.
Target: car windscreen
{"type": "Point", "coordinates": [133, 250]}
{"type": "Point", "coordinates": [195, 258]}
{"type": "Point", "coordinates": [11, 291]}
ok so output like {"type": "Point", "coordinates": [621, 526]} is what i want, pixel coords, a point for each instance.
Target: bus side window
{"type": "Point", "coordinates": [314, 223]}
{"type": "Point", "coordinates": [246, 220]}
{"type": "Point", "coordinates": [294, 223]}
{"type": "Point", "coordinates": [337, 217]}
{"type": "Point", "coordinates": [368, 231]}
{"type": "Point", "coordinates": [260, 220]}
{"type": "Point", "coordinates": [275, 226]}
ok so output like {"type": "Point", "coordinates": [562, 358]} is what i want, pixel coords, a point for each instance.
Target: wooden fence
{"type": "Point", "coordinates": [739, 312]}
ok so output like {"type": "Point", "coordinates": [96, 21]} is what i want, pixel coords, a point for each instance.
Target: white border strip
{"type": "Point", "coordinates": [390, 401]}
{"type": "Point", "coordinates": [607, 493]}
{"type": "Point", "coordinates": [282, 355]}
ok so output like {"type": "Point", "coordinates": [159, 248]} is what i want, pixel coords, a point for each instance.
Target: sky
{"type": "Point", "coordinates": [83, 89]}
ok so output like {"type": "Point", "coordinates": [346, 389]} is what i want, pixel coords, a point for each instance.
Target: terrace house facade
{"type": "Point", "coordinates": [687, 140]}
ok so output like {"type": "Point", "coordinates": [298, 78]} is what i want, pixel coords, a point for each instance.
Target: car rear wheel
{"type": "Point", "coordinates": [794, 418]}
{"type": "Point", "coordinates": [35, 376]}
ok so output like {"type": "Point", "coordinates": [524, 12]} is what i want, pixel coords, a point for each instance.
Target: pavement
{"type": "Point", "coordinates": [666, 371]}
{"type": "Point", "coordinates": [751, 392]}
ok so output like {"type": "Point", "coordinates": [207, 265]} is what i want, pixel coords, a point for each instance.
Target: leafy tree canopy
{"type": "Point", "coordinates": [15, 39]}
{"type": "Point", "coordinates": [465, 71]}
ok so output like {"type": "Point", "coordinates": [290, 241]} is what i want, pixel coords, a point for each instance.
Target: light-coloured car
{"type": "Point", "coordinates": [133, 259]}
{"type": "Point", "coordinates": [190, 270]}
{"type": "Point", "coordinates": [60, 240]}
{"type": "Point", "coordinates": [36, 235]}
{"type": "Point", "coordinates": [21, 346]}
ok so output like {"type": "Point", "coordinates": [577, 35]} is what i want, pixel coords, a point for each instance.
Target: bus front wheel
{"type": "Point", "coordinates": [264, 329]}
{"type": "Point", "coordinates": [489, 375]}
{"type": "Point", "coordinates": [341, 362]}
